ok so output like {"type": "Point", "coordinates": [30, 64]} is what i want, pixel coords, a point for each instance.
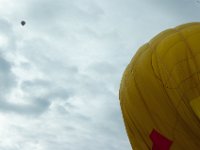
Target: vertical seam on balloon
{"type": "Point", "coordinates": [138, 57]}
{"type": "Point", "coordinates": [179, 62]}
{"type": "Point", "coordinates": [168, 76]}
{"type": "Point", "coordinates": [189, 108]}
{"type": "Point", "coordinates": [131, 73]}
{"type": "Point", "coordinates": [187, 45]}
{"type": "Point", "coordinates": [178, 90]}
{"type": "Point", "coordinates": [179, 41]}
{"type": "Point", "coordinates": [154, 50]}
{"type": "Point", "coordinates": [182, 81]}
{"type": "Point", "coordinates": [176, 118]}
{"type": "Point", "coordinates": [186, 125]}
{"type": "Point", "coordinates": [172, 29]}
{"type": "Point", "coordinates": [160, 62]}
{"type": "Point", "coordinates": [157, 77]}
{"type": "Point", "coordinates": [176, 112]}
{"type": "Point", "coordinates": [197, 85]}
{"type": "Point", "coordinates": [132, 122]}
{"type": "Point", "coordinates": [170, 72]}
{"type": "Point", "coordinates": [145, 105]}
{"type": "Point", "coordinates": [138, 130]}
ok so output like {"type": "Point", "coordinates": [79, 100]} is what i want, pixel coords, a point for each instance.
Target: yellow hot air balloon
{"type": "Point", "coordinates": [160, 91]}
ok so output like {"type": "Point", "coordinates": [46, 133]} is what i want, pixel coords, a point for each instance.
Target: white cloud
{"type": "Point", "coordinates": [60, 73]}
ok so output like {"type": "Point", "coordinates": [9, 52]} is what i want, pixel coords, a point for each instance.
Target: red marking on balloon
{"type": "Point", "coordinates": [160, 142]}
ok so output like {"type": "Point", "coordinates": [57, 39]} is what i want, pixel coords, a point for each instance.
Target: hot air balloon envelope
{"type": "Point", "coordinates": [160, 91]}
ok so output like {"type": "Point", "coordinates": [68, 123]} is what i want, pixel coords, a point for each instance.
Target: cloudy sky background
{"type": "Point", "coordinates": [60, 73]}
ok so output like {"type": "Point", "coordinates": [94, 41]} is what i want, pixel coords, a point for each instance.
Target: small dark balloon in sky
{"type": "Point", "coordinates": [23, 23]}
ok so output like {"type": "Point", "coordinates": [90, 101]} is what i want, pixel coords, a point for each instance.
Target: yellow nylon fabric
{"type": "Point", "coordinates": [158, 87]}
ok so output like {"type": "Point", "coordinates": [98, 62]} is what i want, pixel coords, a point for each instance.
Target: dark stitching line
{"type": "Point", "coordinates": [197, 85]}
{"type": "Point", "coordinates": [176, 43]}
{"type": "Point", "coordinates": [166, 35]}
{"type": "Point", "coordinates": [173, 68]}
{"type": "Point", "coordinates": [138, 130]}
{"type": "Point", "coordinates": [154, 52]}
{"type": "Point", "coordinates": [157, 76]}
{"type": "Point", "coordinates": [132, 68]}
{"type": "Point", "coordinates": [170, 101]}
{"type": "Point", "coordinates": [179, 62]}
{"type": "Point", "coordinates": [186, 79]}
{"type": "Point", "coordinates": [181, 93]}
{"type": "Point", "coordinates": [186, 124]}
{"type": "Point", "coordinates": [196, 66]}
{"type": "Point", "coordinates": [189, 49]}
{"type": "Point", "coordinates": [129, 73]}
{"type": "Point", "coordinates": [187, 60]}
{"type": "Point", "coordinates": [138, 57]}
{"type": "Point", "coordinates": [131, 120]}
{"type": "Point", "coordinates": [169, 49]}
{"type": "Point", "coordinates": [177, 114]}
{"type": "Point", "coordinates": [143, 100]}
{"type": "Point", "coordinates": [182, 59]}
{"type": "Point", "coordinates": [173, 29]}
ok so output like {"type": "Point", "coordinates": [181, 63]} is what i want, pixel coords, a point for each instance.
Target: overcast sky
{"type": "Point", "coordinates": [60, 73]}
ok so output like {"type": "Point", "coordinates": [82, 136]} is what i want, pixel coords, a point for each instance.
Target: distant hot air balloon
{"type": "Point", "coordinates": [160, 91]}
{"type": "Point", "coordinates": [23, 23]}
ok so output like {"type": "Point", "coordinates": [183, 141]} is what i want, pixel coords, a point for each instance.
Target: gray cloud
{"type": "Point", "coordinates": [8, 34]}
{"type": "Point", "coordinates": [179, 10]}
{"type": "Point", "coordinates": [63, 69]}
{"type": "Point", "coordinates": [36, 108]}
{"type": "Point", "coordinates": [46, 89]}
{"type": "Point", "coordinates": [7, 78]}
